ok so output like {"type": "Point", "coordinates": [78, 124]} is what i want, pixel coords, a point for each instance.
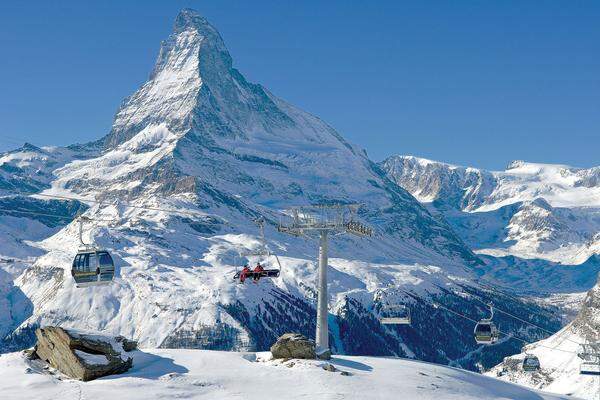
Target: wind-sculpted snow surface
{"type": "Point", "coordinates": [194, 156]}
{"type": "Point", "coordinates": [197, 374]}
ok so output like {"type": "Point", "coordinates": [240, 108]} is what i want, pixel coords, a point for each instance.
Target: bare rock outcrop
{"type": "Point", "coordinates": [81, 355]}
{"type": "Point", "coordinates": [294, 345]}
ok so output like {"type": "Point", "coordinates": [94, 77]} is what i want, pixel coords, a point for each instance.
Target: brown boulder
{"type": "Point", "coordinates": [294, 345]}
{"type": "Point", "coordinates": [83, 356]}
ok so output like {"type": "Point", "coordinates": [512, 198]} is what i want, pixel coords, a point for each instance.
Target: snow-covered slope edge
{"type": "Point", "coordinates": [560, 364]}
{"type": "Point", "coordinates": [197, 374]}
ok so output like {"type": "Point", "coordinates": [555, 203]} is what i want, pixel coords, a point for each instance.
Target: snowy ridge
{"type": "Point", "coordinates": [559, 185]}
{"type": "Point", "coordinates": [532, 211]}
{"type": "Point", "coordinates": [197, 374]}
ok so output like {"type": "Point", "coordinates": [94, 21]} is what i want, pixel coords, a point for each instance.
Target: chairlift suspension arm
{"type": "Point", "coordinates": [81, 218]}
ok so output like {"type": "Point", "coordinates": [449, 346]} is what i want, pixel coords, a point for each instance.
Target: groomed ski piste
{"type": "Point", "coordinates": [204, 374]}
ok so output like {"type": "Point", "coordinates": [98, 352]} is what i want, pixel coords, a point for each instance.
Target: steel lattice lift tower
{"type": "Point", "coordinates": [323, 220]}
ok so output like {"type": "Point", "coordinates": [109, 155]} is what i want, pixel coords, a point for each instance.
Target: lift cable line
{"type": "Point", "coordinates": [528, 322]}
{"type": "Point", "coordinates": [435, 304]}
{"type": "Point", "coordinates": [323, 220]}
{"type": "Point", "coordinates": [57, 216]}
{"type": "Point", "coordinates": [71, 218]}
{"type": "Point", "coordinates": [519, 319]}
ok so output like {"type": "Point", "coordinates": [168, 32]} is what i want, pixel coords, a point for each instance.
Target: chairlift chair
{"type": "Point", "coordinates": [485, 331]}
{"type": "Point", "coordinates": [264, 255]}
{"type": "Point", "coordinates": [590, 355]}
{"type": "Point", "coordinates": [395, 315]}
{"type": "Point", "coordinates": [589, 368]}
{"type": "Point", "coordinates": [91, 266]}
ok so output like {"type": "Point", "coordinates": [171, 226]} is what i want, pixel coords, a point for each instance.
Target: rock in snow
{"type": "Point", "coordinates": [83, 356]}
{"type": "Point", "coordinates": [294, 345]}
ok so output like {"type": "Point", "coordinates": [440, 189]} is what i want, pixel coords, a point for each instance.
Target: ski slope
{"type": "Point", "coordinates": [202, 374]}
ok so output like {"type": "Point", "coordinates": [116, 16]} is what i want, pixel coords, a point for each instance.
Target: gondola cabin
{"type": "Point", "coordinates": [93, 268]}
{"type": "Point", "coordinates": [486, 332]}
{"type": "Point", "coordinates": [395, 315]}
{"type": "Point", "coordinates": [531, 363]}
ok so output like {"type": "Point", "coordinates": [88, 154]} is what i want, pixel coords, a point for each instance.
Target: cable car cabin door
{"type": "Point", "coordinates": [106, 267]}
{"type": "Point", "coordinates": [82, 274]}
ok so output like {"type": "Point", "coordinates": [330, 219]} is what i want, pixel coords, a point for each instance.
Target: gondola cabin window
{"type": "Point", "coordinates": [92, 262]}
{"type": "Point", "coordinates": [105, 259]}
{"type": "Point", "coordinates": [82, 263]}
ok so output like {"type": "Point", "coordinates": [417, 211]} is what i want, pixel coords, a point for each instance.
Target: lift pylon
{"type": "Point", "coordinates": [323, 220]}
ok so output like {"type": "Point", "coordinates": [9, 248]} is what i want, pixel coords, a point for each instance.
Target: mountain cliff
{"type": "Point", "coordinates": [535, 216]}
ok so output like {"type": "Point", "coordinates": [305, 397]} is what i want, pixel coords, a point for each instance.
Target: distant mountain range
{"type": "Point", "coordinates": [546, 216]}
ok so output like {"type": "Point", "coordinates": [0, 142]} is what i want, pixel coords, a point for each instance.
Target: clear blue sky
{"type": "Point", "coordinates": [469, 82]}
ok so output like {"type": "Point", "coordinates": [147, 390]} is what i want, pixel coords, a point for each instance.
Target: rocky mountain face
{"type": "Point", "coordinates": [430, 181]}
{"type": "Point", "coordinates": [193, 158]}
{"type": "Point", "coordinates": [532, 215]}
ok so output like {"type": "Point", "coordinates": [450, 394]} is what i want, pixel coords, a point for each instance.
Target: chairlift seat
{"type": "Point", "coordinates": [267, 273]}
{"type": "Point", "coordinates": [395, 315]}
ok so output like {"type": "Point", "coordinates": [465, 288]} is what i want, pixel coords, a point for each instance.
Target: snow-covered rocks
{"type": "Point", "coordinates": [293, 345]}
{"type": "Point", "coordinates": [83, 356]}
{"type": "Point", "coordinates": [530, 210]}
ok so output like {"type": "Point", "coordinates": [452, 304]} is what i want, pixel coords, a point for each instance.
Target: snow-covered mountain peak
{"type": "Point", "coordinates": [189, 18]}
{"type": "Point", "coordinates": [530, 210]}
{"type": "Point", "coordinates": [194, 89]}
{"type": "Point", "coordinates": [213, 56]}
{"type": "Point", "coordinates": [169, 94]}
